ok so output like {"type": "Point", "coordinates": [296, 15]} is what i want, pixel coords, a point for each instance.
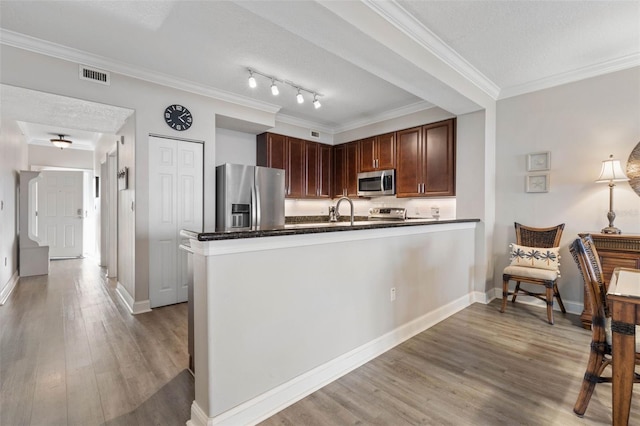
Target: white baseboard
{"type": "Point", "coordinates": [135, 308]}
{"type": "Point", "coordinates": [8, 288]}
{"type": "Point", "coordinates": [264, 406]}
{"type": "Point", "coordinates": [572, 307]}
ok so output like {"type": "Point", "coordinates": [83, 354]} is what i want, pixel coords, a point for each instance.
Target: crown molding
{"type": "Point", "coordinates": [405, 22]}
{"type": "Point", "coordinates": [387, 115]}
{"type": "Point", "coordinates": [602, 68]}
{"type": "Point", "coordinates": [306, 124]}
{"type": "Point", "coordinates": [32, 44]}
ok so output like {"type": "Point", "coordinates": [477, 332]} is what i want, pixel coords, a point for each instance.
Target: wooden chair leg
{"type": "Point", "coordinates": [515, 292]}
{"type": "Point", "coordinates": [591, 376]}
{"type": "Point", "coordinates": [556, 293]}
{"type": "Point", "coordinates": [549, 291]}
{"type": "Point", "coordinates": [505, 294]}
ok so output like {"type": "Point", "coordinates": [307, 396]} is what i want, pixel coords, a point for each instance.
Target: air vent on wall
{"type": "Point", "coordinates": [95, 75]}
{"type": "Point", "coordinates": [315, 134]}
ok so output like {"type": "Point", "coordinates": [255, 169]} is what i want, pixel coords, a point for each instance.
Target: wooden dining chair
{"type": "Point", "coordinates": [535, 260]}
{"type": "Point", "coordinates": [586, 257]}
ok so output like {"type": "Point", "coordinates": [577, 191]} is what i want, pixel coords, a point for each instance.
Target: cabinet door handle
{"type": "Point", "coordinates": [418, 188]}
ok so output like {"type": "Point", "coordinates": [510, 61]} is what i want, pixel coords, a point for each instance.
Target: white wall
{"type": "Point", "coordinates": [13, 158]}
{"type": "Point", "coordinates": [235, 147]}
{"type": "Point", "coordinates": [580, 124]}
{"type": "Point", "coordinates": [31, 70]}
{"type": "Point", "coordinates": [253, 342]}
{"type": "Point", "coordinates": [50, 156]}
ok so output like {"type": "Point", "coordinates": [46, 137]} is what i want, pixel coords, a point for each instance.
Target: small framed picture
{"type": "Point", "coordinates": [537, 183]}
{"type": "Point", "coordinates": [538, 161]}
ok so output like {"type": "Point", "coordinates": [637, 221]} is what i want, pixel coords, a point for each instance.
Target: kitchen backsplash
{"type": "Point", "coordinates": [416, 207]}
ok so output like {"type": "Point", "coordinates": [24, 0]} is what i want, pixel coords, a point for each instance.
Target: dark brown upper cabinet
{"type": "Point", "coordinates": [378, 152]}
{"type": "Point", "coordinates": [425, 158]}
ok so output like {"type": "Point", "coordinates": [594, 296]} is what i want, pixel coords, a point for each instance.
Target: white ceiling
{"type": "Point", "coordinates": [504, 47]}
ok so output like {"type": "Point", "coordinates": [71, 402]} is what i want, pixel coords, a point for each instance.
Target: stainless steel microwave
{"type": "Point", "coordinates": [380, 182]}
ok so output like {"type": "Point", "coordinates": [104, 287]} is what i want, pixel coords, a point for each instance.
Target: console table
{"type": "Point", "coordinates": [614, 250]}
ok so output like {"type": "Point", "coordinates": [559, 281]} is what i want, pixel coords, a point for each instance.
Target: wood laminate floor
{"type": "Point", "coordinates": [71, 354]}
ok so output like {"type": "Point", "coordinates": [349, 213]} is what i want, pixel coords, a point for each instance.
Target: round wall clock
{"type": "Point", "coordinates": [178, 117]}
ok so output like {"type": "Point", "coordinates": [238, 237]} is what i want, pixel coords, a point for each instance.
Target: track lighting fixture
{"type": "Point", "coordinates": [252, 80]}
{"type": "Point", "coordinates": [61, 142]}
{"type": "Point", "coordinates": [275, 91]}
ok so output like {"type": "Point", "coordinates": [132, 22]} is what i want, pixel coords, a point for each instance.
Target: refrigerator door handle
{"type": "Point", "coordinates": [255, 207]}
{"type": "Point", "coordinates": [255, 219]}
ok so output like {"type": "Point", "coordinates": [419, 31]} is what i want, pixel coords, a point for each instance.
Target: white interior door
{"type": "Point", "coordinates": [60, 213]}
{"type": "Point", "coordinates": [175, 203]}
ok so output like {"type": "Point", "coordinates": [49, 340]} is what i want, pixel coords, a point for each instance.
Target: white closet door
{"type": "Point", "coordinates": [175, 203]}
{"type": "Point", "coordinates": [61, 213]}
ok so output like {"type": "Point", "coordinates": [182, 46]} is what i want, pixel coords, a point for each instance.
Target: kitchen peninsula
{"type": "Point", "coordinates": [279, 314]}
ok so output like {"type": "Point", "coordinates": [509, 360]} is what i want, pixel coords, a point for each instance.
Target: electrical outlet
{"type": "Point", "coordinates": [392, 294]}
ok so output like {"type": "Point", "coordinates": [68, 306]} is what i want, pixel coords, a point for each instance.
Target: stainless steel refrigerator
{"type": "Point", "coordinates": [249, 197]}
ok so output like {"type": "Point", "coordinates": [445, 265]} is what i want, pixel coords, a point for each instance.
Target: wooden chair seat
{"type": "Point", "coordinates": [541, 238]}
{"type": "Point", "coordinates": [586, 257]}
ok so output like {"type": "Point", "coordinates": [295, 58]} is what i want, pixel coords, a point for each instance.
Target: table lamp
{"type": "Point", "coordinates": [611, 172]}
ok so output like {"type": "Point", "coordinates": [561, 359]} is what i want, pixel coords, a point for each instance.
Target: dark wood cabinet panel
{"type": "Point", "coordinates": [409, 161]}
{"type": "Point", "coordinates": [311, 169]}
{"type": "Point", "coordinates": [439, 159]}
{"type": "Point", "coordinates": [307, 164]}
{"type": "Point", "coordinates": [296, 168]}
{"type": "Point", "coordinates": [367, 154]}
{"type": "Point", "coordinates": [345, 169]}
{"type": "Point", "coordinates": [378, 152]}
{"type": "Point", "coordinates": [325, 158]}
{"type": "Point", "coordinates": [272, 151]}
{"type": "Point", "coordinates": [338, 185]}
{"type": "Point", "coordinates": [425, 158]}
{"type": "Point", "coordinates": [351, 169]}
{"type": "Point", "coordinates": [386, 146]}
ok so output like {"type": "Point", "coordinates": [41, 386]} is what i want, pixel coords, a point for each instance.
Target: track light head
{"type": "Point", "coordinates": [299, 97]}
{"type": "Point", "coordinates": [316, 102]}
{"type": "Point", "coordinates": [274, 88]}
{"type": "Point", "coordinates": [252, 80]}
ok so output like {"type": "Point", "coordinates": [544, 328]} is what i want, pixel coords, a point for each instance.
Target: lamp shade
{"type": "Point", "coordinates": [611, 171]}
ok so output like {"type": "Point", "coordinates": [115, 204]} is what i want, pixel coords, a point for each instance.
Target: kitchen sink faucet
{"type": "Point", "coordinates": [335, 214]}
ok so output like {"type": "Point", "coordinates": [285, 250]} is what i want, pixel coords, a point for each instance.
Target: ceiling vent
{"type": "Point", "coordinates": [315, 134]}
{"type": "Point", "coordinates": [95, 75]}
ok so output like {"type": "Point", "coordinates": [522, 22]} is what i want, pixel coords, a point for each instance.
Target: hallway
{"type": "Point", "coordinates": [71, 353]}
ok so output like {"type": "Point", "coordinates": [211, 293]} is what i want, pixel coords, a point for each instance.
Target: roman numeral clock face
{"type": "Point", "coordinates": [178, 117]}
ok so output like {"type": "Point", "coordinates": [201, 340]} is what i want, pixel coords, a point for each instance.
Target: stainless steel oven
{"type": "Point", "coordinates": [380, 182]}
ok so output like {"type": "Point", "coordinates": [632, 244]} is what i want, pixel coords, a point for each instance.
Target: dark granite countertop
{"type": "Point", "coordinates": [318, 227]}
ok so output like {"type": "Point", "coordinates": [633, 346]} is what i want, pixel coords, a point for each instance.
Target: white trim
{"type": "Point", "coordinates": [414, 29]}
{"type": "Point", "coordinates": [264, 406]}
{"type": "Point", "coordinates": [8, 288]}
{"type": "Point", "coordinates": [135, 308]}
{"type": "Point", "coordinates": [198, 417]}
{"type": "Point", "coordinates": [387, 115]}
{"type": "Point", "coordinates": [572, 307]}
{"type": "Point", "coordinates": [32, 44]}
{"type": "Point", "coordinates": [242, 245]}
{"type": "Point", "coordinates": [618, 64]}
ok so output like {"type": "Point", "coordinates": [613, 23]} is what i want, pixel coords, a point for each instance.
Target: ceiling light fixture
{"type": "Point", "coordinates": [61, 142]}
{"type": "Point", "coordinates": [275, 90]}
{"type": "Point", "coordinates": [252, 80]}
